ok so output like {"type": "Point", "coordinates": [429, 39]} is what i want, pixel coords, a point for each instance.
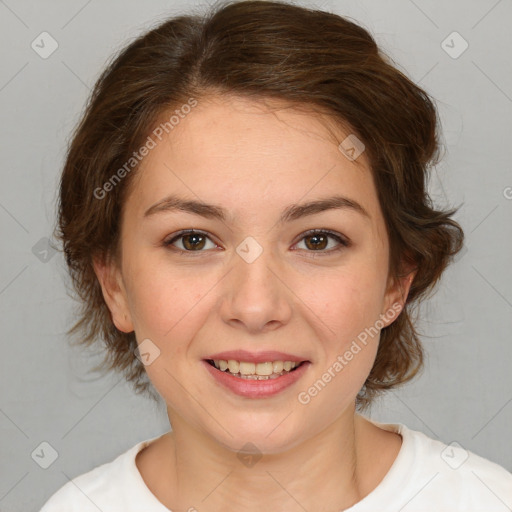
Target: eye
{"type": "Point", "coordinates": [191, 241]}
{"type": "Point", "coordinates": [318, 240]}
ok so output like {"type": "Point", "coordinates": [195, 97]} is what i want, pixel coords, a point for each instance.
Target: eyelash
{"type": "Point", "coordinates": [344, 243]}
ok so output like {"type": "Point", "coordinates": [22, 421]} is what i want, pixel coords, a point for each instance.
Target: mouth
{"type": "Point", "coordinates": [263, 377]}
{"type": "Point", "coordinates": [268, 370]}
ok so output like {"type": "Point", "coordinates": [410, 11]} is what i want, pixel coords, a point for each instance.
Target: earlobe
{"type": "Point", "coordinates": [114, 294]}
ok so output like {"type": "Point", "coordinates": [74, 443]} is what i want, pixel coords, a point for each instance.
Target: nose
{"type": "Point", "coordinates": [255, 294]}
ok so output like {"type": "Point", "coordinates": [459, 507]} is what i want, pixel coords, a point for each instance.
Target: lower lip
{"type": "Point", "coordinates": [256, 388]}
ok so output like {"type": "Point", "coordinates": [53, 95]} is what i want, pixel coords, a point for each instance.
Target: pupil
{"type": "Point", "coordinates": [194, 236]}
{"type": "Point", "coordinates": [317, 238]}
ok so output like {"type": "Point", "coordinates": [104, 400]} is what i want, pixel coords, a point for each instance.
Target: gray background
{"type": "Point", "coordinates": [465, 392]}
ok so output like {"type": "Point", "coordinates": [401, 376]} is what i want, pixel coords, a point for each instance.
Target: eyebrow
{"type": "Point", "coordinates": [290, 213]}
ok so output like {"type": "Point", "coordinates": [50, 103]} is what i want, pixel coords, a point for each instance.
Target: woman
{"type": "Point", "coordinates": [244, 213]}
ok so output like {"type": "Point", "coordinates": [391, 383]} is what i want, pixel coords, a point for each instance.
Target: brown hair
{"type": "Point", "coordinates": [260, 50]}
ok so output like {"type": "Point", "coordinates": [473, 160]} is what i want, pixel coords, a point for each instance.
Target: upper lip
{"type": "Point", "coordinates": [256, 357]}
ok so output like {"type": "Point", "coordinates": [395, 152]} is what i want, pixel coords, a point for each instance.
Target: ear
{"type": "Point", "coordinates": [114, 293]}
{"type": "Point", "coordinates": [396, 294]}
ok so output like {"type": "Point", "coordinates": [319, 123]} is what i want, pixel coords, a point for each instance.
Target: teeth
{"type": "Point", "coordinates": [269, 369]}
{"type": "Point", "coordinates": [265, 368]}
{"type": "Point", "coordinates": [278, 366]}
{"type": "Point", "coordinates": [247, 368]}
{"type": "Point", "coordinates": [234, 366]}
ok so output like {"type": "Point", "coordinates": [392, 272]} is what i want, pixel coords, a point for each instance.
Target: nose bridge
{"type": "Point", "coordinates": [255, 266]}
{"type": "Point", "coordinates": [256, 292]}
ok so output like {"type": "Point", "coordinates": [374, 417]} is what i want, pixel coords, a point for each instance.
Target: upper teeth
{"type": "Point", "coordinates": [245, 368]}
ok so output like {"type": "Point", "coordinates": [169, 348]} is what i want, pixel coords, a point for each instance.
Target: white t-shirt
{"type": "Point", "coordinates": [426, 476]}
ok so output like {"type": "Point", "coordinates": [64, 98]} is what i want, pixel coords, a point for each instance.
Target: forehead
{"type": "Point", "coordinates": [235, 128]}
{"type": "Point", "coordinates": [244, 154]}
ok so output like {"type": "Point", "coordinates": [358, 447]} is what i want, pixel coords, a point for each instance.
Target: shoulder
{"type": "Point", "coordinates": [429, 474]}
{"type": "Point", "coordinates": [102, 488]}
{"type": "Point", "coordinates": [453, 475]}
{"type": "Point", "coordinates": [81, 492]}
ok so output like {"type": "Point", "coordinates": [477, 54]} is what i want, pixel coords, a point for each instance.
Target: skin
{"type": "Point", "coordinates": [291, 298]}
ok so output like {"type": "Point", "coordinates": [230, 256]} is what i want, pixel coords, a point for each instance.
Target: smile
{"type": "Point", "coordinates": [247, 382]}
{"type": "Point", "coordinates": [255, 371]}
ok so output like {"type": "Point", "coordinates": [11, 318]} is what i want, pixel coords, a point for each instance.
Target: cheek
{"type": "Point", "coordinates": [163, 300]}
{"type": "Point", "coordinates": [350, 304]}
{"type": "Point", "coordinates": [351, 311]}
{"type": "Point", "coordinates": [167, 309]}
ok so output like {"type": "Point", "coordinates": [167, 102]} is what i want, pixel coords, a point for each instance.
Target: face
{"type": "Point", "coordinates": [254, 279]}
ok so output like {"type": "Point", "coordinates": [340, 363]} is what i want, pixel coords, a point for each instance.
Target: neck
{"type": "Point", "coordinates": [202, 474]}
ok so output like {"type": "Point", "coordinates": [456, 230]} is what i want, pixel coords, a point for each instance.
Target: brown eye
{"type": "Point", "coordinates": [318, 241]}
{"type": "Point", "coordinates": [191, 241]}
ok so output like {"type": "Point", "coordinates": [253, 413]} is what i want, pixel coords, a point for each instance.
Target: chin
{"type": "Point", "coordinates": [264, 436]}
